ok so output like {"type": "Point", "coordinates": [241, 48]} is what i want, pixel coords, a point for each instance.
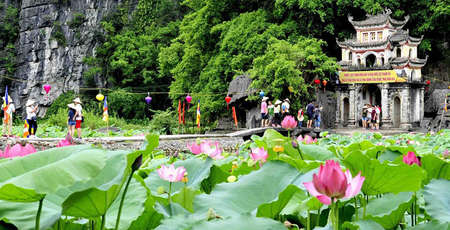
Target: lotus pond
{"type": "Point", "coordinates": [272, 182]}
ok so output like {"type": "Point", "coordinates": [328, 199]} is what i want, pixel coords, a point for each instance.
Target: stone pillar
{"type": "Point", "coordinates": [339, 120]}
{"type": "Point", "coordinates": [352, 100]}
{"type": "Point", "coordinates": [422, 104]}
{"type": "Point", "coordinates": [385, 108]}
{"type": "Point", "coordinates": [405, 119]}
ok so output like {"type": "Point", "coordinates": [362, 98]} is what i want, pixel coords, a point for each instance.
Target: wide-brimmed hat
{"type": "Point", "coordinates": [277, 102]}
{"type": "Point", "coordinates": [30, 102]}
{"type": "Point", "coordinates": [71, 105]}
{"type": "Point", "coordinates": [77, 100]}
{"type": "Point", "coordinates": [265, 98]}
{"type": "Point", "coordinates": [287, 99]}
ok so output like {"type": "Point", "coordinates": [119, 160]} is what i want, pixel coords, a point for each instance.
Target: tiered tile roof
{"type": "Point", "coordinates": [378, 20]}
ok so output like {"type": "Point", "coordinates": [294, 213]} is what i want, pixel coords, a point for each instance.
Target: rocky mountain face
{"type": "Point", "coordinates": [54, 38]}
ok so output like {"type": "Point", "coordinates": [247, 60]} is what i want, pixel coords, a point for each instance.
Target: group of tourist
{"type": "Point", "coordinates": [371, 116]}
{"type": "Point", "coordinates": [75, 117]}
{"type": "Point", "coordinates": [273, 114]}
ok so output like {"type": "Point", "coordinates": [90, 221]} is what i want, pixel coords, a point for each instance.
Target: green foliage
{"type": "Point", "coordinates": [164, 122]}
{"type": "Point", "coordinates": [58, 34]}
{"type": "Point", "coordinates": [9, 32]}
{"type": "Point", "coordinates": [77, 20]}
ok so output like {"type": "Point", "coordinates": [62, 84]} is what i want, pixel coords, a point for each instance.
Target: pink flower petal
{"type": "Point", "coordinates": [355, 186]}
{"type": "Point", "coordinates": [324, 199]}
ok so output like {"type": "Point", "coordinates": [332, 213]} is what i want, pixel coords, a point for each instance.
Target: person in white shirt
{"type": "Point", "coordinates": [31, 117]}
{"type": "Point", "coordinates": [78, 116]}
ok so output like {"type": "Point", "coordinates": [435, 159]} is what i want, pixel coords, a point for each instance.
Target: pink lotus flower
{"type": "Point", "coordinates": [18, 150]}
{"type": "Point", "coordinates": [63, 143]}
{"type": "Point", "coordinates": [195, 148]}
{"type": "Point", "coordinates": [333, 183]}
{"type": "Point", "coordinates": [259, 154]}
{"type": "Point", "coordinates": [289, 122]}
{"type": "Point", "coordinates": [411, 159]}
{"type": "Point", "coordinates": [170, 173]}
{"type": "Point", "coordinates": [445, 153]}
{"type": "Point", "coordinates": [307, 139]}
{"type": "Point", "coordinates": [212, 149]}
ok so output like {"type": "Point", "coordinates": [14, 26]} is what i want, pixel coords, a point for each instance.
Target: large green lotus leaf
{"type": "Point", "coordinates": [250, 191]}
{"type": "Point", "coordinates": [389, 209]}
{"type": "Point", "coordinates": [362, 225]}
{"type": "Point", "coordinates": [133, 205]}
{"type": "Point", "coordinates": [216, 176]}
{"type": "Point", "coordinates": [431, 226]}
{"type": "Point", "coordinates": [384, 177]}
{"type": "Point", "coordinates": [29, 178]}
{"type": "Point", "coordinates": [316, 152]}
{"type": "Point", "coordinates": [241, 222]}
{"type": "Point", "coordinates": [436, 167]}
{"type": "Point", "coordinates": [273, 138]}
{"type": "Point", "coordinates": [375, 151]}
{"type": "Point", "coordinates": [437, 199]}
{"type": "Point", "coordinates": [23, 215]}
{"type": "Point", "coordinates": [273, 209]}
{"type": "Point", "coordinates": [150, 218]}
{"type": "Point", "coordinates": [185, 198]}
{"type": "Point", "coordinates": [196, 168]}
{"type": "Point", "coordinates": [92, 199]}
{"type": "Point", "coordinates": [301, 165]}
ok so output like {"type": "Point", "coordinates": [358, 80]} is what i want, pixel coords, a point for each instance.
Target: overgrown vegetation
{"type": "Point", "coordinates": [9, 32]}
{"type": "Point", "coordinates": [77, 20]}
{"type": "Point", "coordinates": [58, 34]}
{"type": "Point", "coordinates": [200, 46]}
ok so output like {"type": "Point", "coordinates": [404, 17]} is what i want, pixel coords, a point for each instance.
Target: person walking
{"type": "Point", "coordinates": [310, 113]}
{"type": "Point", "coordinates": [369, 116]}
{"type": "Point", "coordinates": [78, 115]}
{"type": "Point", "coordinates": [378, 112]}
{"type": "Point", "coordinates": [8, 109]}
{"type": "Point", "coordinates": [285, 108]}
{"type": "Point", "coordinates": [364, 116]}
{"type": "Point", "coordinates": [317, 117]}
{"type": "Point", "coordinates": [71, 122]}
{"type": "Point", "coordinates": [31, 109]}
{"type": "Point", "coordinates": [277, 114]}
{"type": "Point", "coordinates": [300, 117]}
{"type": "Point", "coordinates": [374, 117]}
{"type": "Point", "coordinates": [270, 109]}
{"type": "Point", "coordinates": [264, 112]}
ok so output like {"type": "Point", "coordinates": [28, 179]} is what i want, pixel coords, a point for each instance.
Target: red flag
{"type": "Point", "coordinates": [235, 118]}
{"type": "Point", "coordinates": [184, 106]}
{"type": "Point", "coordinates": [179, 111]}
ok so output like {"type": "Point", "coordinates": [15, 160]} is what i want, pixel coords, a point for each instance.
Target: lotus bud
{"type": "Point", "coordinates": [294, 144]}
{"type": "Point", "coordinates": [137, 163]}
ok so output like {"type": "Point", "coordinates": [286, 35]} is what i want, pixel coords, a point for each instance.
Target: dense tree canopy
{"type": "Point", "coordinates": [199, 46]}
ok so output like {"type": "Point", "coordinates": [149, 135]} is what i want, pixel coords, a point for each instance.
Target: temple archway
{"type": "Point", "coordinates": [346, 111]}
{"type": "Point", "coordinates": [371, 60]}
{"type": "Point", "coordinates": [397, 112]}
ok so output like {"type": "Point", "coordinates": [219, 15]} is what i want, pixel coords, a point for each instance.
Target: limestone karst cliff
{"type": "Point", "coordinates": [54, 37]}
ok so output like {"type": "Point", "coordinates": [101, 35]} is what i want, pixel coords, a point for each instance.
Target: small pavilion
{"type": "Point", "coordinates": [379, 66]}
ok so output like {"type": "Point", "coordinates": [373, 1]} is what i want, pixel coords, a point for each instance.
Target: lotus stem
{"type": "Point", "coordinates": [308, 221]}
{"type": "Point", "coordinates": [103, 222]}
{"type": "Point", "coordinates": [356, 209]}
{"type": "Point", "coordinates": [38, 214]}
{"type": "Point", "coordinates": [318, 217]}
{"type": "Point", "coordinates": [92, 224]}
{"type": "Point", "coordinates": [334, 214]}
{"type": "Point", "coordinates": [122, 200]}
{"type": "Point", "coordinates": [170, 190]}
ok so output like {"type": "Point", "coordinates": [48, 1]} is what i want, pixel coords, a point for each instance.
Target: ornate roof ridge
{"type": "Point", "coordinates": [379, 19]}
{"type": "Point", "coordinates": [419, 60]}
{"type": "Point", "coordinates": [354, 43]}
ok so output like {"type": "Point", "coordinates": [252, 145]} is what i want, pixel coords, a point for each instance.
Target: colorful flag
{"type": "Point", "coordinates": [25, 129]}
{"type": "Point", "coordinates": [6, 106]}
{"type": "Point", "coordinates": [184, 106]}
{"type": "Point", "coordinates": [235, 117]}
{"type": "Point", "coordinates": [198, 114]}
{"type": "Point", "coordinates": [105, 110]}
{"type": "Point", "coordinates": [179, 111]}
{"type": "Point", "coordinates": [445, 105]}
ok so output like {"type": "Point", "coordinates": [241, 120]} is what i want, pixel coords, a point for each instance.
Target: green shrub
{"type": "Point", "coordinates": [58, 34]}
{"type": "Point", "coordinates": [126, 105]}
{"type": "Point", "coordinates": [164, 122]}
{"type": "Point", "coordinates": [77, 20]}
